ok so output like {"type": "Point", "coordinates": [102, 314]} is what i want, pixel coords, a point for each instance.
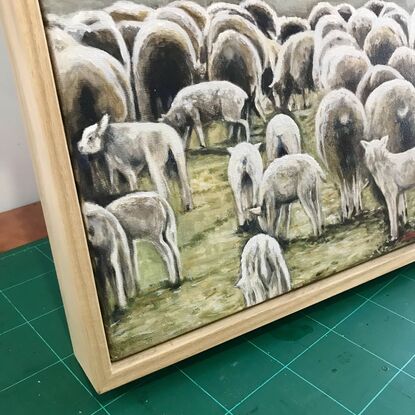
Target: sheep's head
{"type": "Point", "coordinates": [94, 218]}
{"type": "Point", "coordinates": [375, 150]}
{"type": "Point", "coordinates": [91, 142]}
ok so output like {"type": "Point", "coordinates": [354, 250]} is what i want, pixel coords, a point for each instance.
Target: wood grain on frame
{"type": "Point", "coordinates": [28, 47]}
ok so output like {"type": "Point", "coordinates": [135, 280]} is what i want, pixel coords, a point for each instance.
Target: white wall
{"type": "Point", "coordinates": [17, 183]}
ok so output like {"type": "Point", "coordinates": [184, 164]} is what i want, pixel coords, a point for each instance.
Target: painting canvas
{"type": "Point", "coordinates": [229, 153]}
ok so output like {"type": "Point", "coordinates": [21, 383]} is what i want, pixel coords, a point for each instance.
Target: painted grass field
{"type": "Point", "coordinates": [210, 249]}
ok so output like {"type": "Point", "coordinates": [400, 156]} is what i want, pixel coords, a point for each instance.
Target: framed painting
{"type": "Point", "coordinates": [206, 168]}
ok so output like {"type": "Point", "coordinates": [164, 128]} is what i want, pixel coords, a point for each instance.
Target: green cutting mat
{"type": "Point", "coordinates": [353, 354]}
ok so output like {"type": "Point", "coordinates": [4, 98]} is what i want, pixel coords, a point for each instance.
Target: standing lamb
{"type": "Point", "coordinates": [264, 273]}
{"type": "Point", "coordinates": [235, 59]}
{"type": "Point", "coordinates": [403, 60]}
{"type": "Point", "coordinates": [147, 216]}
{"type": "Point", "coordinates": [129, 147]}
{"type": "Point", "coordinates": [394, 174]}
{"type": "Point", "coordinates": [117, 280]}
{"type": "Point", "coordinates": [340, 125]}
{"type": "Point", "coordinates": [162, 47]}
{"type": "Point", "coordinates": [201, 104]}
{"type": "Point", "coordinates": [385, 37]}
{"type": "Point", "coordinates": [282, 137]}
{"type": "Point", "coordinates": [374, 77]}
{"type": "Point", "coordinates": [287, 179]}
{"type": "Point", "coordinates": [360, 24]}
{"type": "Point", "coordinates": [293, 72]}
{"type": "Point", "coordinates": [390, 110]}
{"type": "Point", "coordinates": [343, 67]}
{"type": "Point", "coordinates": [244, 175]}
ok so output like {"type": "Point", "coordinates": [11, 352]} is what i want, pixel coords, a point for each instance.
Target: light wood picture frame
{"type": "Point", "coordinates": [23, 22]}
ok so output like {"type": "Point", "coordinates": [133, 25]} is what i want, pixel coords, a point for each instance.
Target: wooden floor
{"type": "Point", "coordinates": [21, 226]}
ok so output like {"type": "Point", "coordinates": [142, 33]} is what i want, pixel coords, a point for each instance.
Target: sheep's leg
{"type": "Point", "coordinates": [258, 106]}
{"type": "Point", "coordinates": [157, 176]}
{"type": "Point", "coordinates": [306, 203]}
{"type": "Point", "coordinates": [284, 220]}
{"type": "Point", "coordinates": [403, 208]}
{"type": "Point", "coordinates": [392, 202]}
{"type": "Point", "coordinates": [186, 136]}
{"type": "Point", "coordinates": [245, 124]}
{"type": "Point", "coordinates": [168, 258]}
{"type": "Point", "coordinates": [186, 192]}
{"type": "Point", "coordinates": [199, 128]}
{"type": "Point", "coordinates": [119, 282]}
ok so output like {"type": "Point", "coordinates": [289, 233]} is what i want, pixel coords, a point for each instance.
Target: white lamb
{"type": "Point", "coordinates": [394, 173]}
{"type": "Point", "coordinates": [264, 273]}
{"type": "Point", "coordinates": [244, 174]}
{"type": "Point", "coordinates": [282, 137]}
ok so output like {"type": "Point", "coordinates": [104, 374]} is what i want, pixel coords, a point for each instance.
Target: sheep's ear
{"type": "Point", "coordinates": [384, 141]}
{"type": "Point", "coordinates": [258, 146]}
{"type": "Point", "coordinates": [230, 150]}
{"type": "Point", "coordinates": [103, 124]}
{"type": "Point", "coordinates": [256, 211]}
{"type": "Point", "coordinates": [364, 144]}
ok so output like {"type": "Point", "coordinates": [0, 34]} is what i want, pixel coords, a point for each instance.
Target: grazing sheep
{"type": "Point", "coordinates": [128, 10]}
{"type": "Point", "coordinates": [390, 110]}
{"type": "Point", "coordinates": [374, 77]}
{"type": "Point", "coordinates": [264, 16]}
{"type": "Point", "coordinates": [196, 11]}
{"type": "Point", "coordinates": [318, 11]}
{"type": "Point", "coordinates": [343, 67]}
{"type": "Point", "coordinates": [129, 147]}
{"type": "Point", "coordinates": [340, 125]}
{"type": "Point", "coordinates": [229, 8]}
{"type": "Point", "coordinates": [288, 26]}
{"type": "Point", "coordinates": [201, 104]}
{"type": "Point", "coordinates": [129, 30]}
{"type": "Point", "coordinates": [264, 273]}
{"type": "Point", "coordinates": [293, 72]}
{"type": "Point", "coordinates": [376, 6]}
{"type": "Point", "coordinates": [244, 175]}
{"type": "Point", "coordinates": [394, 174]}
{"type": "Point", "coordinates": [282, 137]}
{"type": "Point", "coordinates": [360, 24]}
{"type": "Point", "coordinates": [385, 37]}
{"type": "Point", "coordinates": [97, 29]}
{"type": "Point", "coordinates": [333, 39]}
{"type": "Point", "coordinates": [161, 47]}
{"type": "Point", "coordinates": [117, 280]}
{"type": "Point", "coordinates": [185, 21]}
{"type": "Point", "coordinates": [345, 10]}
{"type": "Point", "coordinates": [147, 216]}
{"type": "Point", "coordinates": [403, 60]}
{"type": "Point", "coordinates": [287, 179]}
{"type": "Point", "coordinates": [90, 83]}
{"type": "Point", "coordinates": [235, 59]}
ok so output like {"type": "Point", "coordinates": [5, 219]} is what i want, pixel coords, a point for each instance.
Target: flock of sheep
{"type": "Point", "coordinates": [135, 82]}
